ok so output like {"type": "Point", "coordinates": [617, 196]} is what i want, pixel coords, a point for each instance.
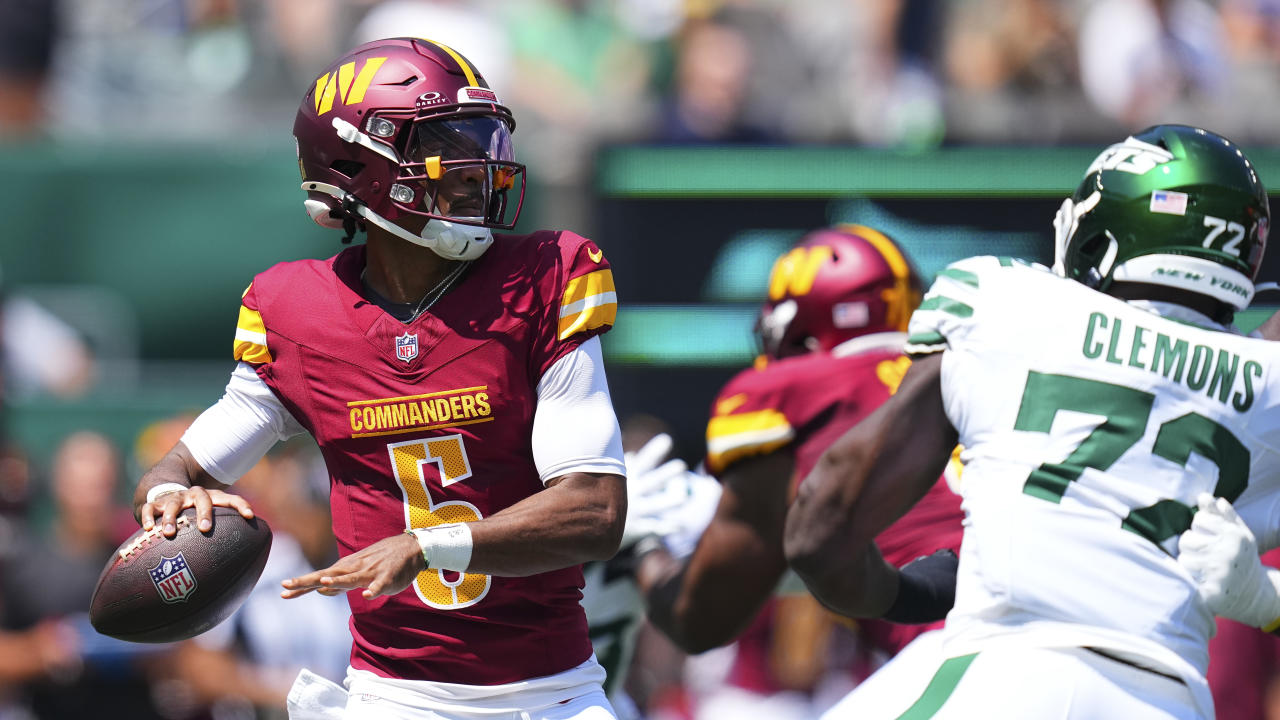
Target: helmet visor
{"type": "Point", "coordinates": [462, 138]}
{"type": "Point", "coordinates": [466, 165]}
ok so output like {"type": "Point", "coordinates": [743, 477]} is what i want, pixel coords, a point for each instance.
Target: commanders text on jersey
{"type": "Point", "coordinates": [403, 414]}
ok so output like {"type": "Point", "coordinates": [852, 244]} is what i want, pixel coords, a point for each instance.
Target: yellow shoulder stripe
{"type": "Point", "coordinates": [589, 302]}
{"type": "Point", "coordinates": [733, 437]}
{"type": "Point", "coordinates": [251, 338]}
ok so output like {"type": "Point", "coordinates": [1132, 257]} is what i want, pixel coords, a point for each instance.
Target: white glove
{"type": "Point", "coordinates": [1065, 222]}
{"type": "Point", "coordinates": [660, 494]}
{"type": "Point", "coordinates": [693, 516]}
{"type": "Point", "coordinates": [1221, 554]}
{"type": "Point", "coordinates": [654, 489]}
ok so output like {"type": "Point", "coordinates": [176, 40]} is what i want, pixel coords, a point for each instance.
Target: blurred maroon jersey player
{"type": "Point", "coordinates": [832, 336]}
{"type": "Point", "coordinates": [453, 381]}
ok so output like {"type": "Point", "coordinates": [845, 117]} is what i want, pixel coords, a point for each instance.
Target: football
{"type": "Point", "coordinates": [158, 589]}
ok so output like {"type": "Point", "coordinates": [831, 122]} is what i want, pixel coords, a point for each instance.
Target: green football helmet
{"type": "Point", "coordinates": [1172, 205]}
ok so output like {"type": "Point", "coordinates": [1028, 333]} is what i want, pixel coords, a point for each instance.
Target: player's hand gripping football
{"type": "Point", "coordinates": [1220, 552]}
{"type": "Point", "coordinates": [384, 568]}
{"type": "Point", "coordinates": [164, 510]}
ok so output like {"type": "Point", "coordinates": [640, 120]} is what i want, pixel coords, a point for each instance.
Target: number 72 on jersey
{"type": "Point", "coordinates": [1126, 412]}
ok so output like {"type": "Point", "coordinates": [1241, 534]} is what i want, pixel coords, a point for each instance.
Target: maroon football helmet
{"type": "Point", "coordinates": [405, 131]}
{"type": "Point", "coordinates": [835, 284]}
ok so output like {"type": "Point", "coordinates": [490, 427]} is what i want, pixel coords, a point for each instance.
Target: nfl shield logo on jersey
{"type": "Point", "coordinates": [407, 347]}
{"type": "Point", "coordinates": [173, 579]}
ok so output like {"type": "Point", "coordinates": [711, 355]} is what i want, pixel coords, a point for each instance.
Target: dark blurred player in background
{"type": "Point", "coordinates": [832, 333]}
{"type": "Point", "coordinates": [26, 54]}
{"type": "Point", "coordinates": [454, 383]}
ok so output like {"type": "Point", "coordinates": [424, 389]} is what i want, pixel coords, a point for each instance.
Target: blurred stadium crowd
{"type": "Point", "coordinates": [913, 73]}
{"type": "Point", "coordinates": [582, 73]}
{"type": "Point", "coordinates": [579, 74]}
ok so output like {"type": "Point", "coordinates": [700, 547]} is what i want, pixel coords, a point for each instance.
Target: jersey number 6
{"type": "Point", "coordinates": [441, 589]}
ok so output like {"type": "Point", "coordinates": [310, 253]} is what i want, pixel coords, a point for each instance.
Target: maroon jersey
{"type": "Point", "coordinates": [430, 422]}
{"type": "Point", "coordinates": [807, 402]}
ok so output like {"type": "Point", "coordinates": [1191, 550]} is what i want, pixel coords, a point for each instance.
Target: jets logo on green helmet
{"type": "Point", "coordinates": [1172, 205]}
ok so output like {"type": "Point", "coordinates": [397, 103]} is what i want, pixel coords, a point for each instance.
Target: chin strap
{"type": "Point", "coordinates": [449, 240]}
{"type": "Point", "coordinates": [349, 224]}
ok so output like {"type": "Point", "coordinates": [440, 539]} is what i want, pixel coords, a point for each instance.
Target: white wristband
{"type": "Point", "coordinates": [164, 489]}
{"type": "Point", "coordinates": [445, 547]}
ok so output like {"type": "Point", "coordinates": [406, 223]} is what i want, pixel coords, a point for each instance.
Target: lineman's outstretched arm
{"type": "Point", "coordinates": [862, 483]}
{"type": "Point", "coordinates": [711, 598]}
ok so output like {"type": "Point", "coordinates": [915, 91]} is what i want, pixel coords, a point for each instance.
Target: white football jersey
{"type": "Point", "coordinates": [1089, 426]}
{"type": "Point", "coordinates": [614, 612]}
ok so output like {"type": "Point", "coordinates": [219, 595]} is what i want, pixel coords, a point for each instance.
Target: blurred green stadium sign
{"type": "Point", "coordinates": [643, 171]}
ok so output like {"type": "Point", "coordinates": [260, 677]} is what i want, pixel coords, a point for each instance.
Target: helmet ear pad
{"type": "Point", "coordinates": [1094, 254]}
{"type": "Point", "coordinates": [326, 213]}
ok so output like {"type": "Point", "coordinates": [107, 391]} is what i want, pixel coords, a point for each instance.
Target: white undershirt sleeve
{"type": "Point", "coordinates": [236, 432]}
{"type": "Point", "coordinates": [574, 426]}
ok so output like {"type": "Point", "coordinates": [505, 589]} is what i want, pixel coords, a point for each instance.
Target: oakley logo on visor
{"type": "Point", "coordinates": [428, 99]}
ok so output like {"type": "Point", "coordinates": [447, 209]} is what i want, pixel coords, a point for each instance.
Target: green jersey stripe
{"type": "Point", "coordinates": [940, 688]}
{"type": "Point", "coordinates": [964, 276]}
{"type": "Point", "coordinates": [947, 305]}
{"type": "Point", "coordinates": [928, 337]}
{"type": "Point", "coordinates": [1011, 261]}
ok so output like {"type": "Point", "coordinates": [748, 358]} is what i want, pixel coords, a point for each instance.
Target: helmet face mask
{"type": "Point", "coordinates": [834, 285]}
{"type": "Point", "coordinates": [462, 169]}
{"type": "Point", "coordinates": [1173, 205]}
{"type": "Point", "coordinates": [404, 134]}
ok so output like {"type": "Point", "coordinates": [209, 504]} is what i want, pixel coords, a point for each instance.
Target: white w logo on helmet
{"type": "Point", "coordinates": [1131, 156]}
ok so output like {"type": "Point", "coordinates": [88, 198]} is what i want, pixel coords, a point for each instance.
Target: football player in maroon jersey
{"type": "Point", "coordinates": [453, 381]}
{"type": "Point", "coordinates": [832, 332]}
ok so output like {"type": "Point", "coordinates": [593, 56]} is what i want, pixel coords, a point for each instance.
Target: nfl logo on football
{"type": "Point", "coordinates": [407, 347]}
{"type": "Point", "coordinates": [173, 579]}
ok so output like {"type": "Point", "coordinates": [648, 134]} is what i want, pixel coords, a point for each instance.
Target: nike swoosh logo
{"type": "Point", "coordinates": [595, 255]}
